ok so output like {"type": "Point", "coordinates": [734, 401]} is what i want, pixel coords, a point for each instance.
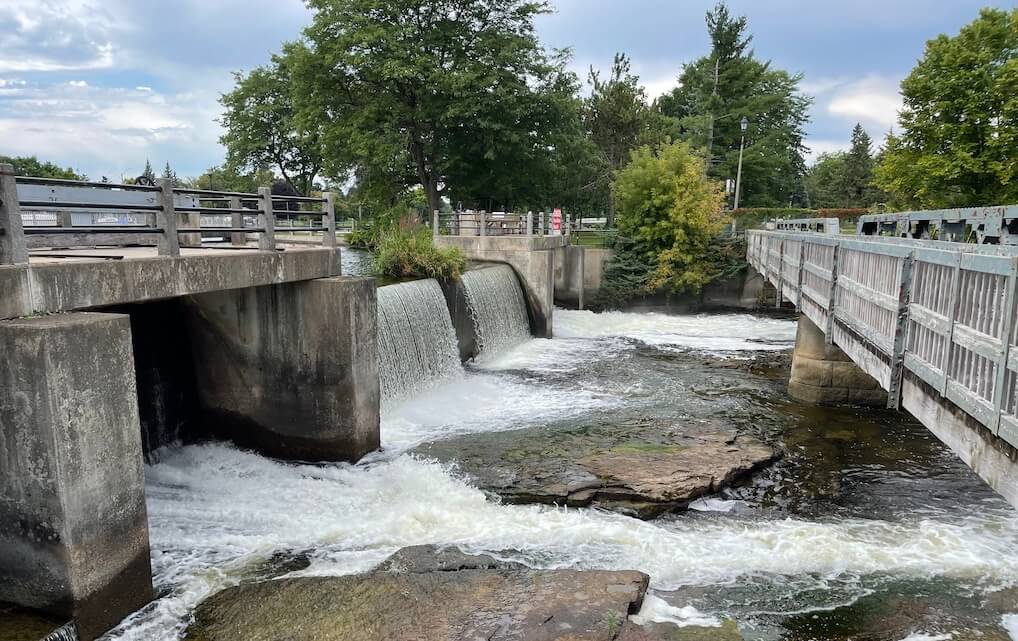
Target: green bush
{"type": "Point", "coordinates": [412, 254]}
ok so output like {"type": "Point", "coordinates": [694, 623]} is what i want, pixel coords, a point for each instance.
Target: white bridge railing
{"type": "Point", "coordinates": [946, 312]}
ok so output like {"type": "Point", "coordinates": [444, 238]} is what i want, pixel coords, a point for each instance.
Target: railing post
{"type": "Point", "coordinates": [330, 220]}
{"type": "Point", "coordinates": [13, 249]}
{"type": "Point", "coordinates": [166, 218]}
{"type": "Point", "coordinates": [434, 224]}
{"type": "Point", "coordinates": [781, 273]}
{"type": "Point", "coordinates": [483, 218]}
{"type": "Point", "coordinates": [530, 223]}
{"type": "Point", "coordinates": [237, 221]}
{"type": "Point", "coordinates": [832, 294]}
{"type": "Point", "coordinates": [266, 220]}
{"type": "Point", "coordinates": [900, 329]}
{"type": "Point", "coordinates": [1010, 304]}
{"type": "Point", "coordinates": [541, 228]}
{"type": "Point", "coordinates": [798, 283]}
{"type": "Point", "coordinates": [952, 307]}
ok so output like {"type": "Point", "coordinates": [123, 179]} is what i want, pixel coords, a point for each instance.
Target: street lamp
{"type": "Point", "coordinates": [742, 145]}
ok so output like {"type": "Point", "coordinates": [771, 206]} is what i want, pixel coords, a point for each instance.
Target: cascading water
{"type": "Point", "coordinates": [416, 342]}
{"type": "Point", "coordinates": [498, 308]}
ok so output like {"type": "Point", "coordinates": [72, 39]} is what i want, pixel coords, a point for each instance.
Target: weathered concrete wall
{"type": "Point", "coordinates": [462, 321]}
{"type": "Point", "coordinates": [291, 370]}
{"type": "Point", "coordinates": [569, 276]}
{"type": "Point", "coordinates": [532, 257]}
{"type": "Point", "coordinates": [989, 456]}
{"type": "Point", "coordinates": [76, 284]}
{"type": "Point", "coordinates": [73, 526]}
{"type": "Point", "coordinates": [825, 375]}
{"type": "Point", "coordinates": [595, 261]}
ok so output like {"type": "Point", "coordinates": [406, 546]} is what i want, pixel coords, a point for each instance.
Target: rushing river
{"type": "Point", "coordinates": [868, 528]}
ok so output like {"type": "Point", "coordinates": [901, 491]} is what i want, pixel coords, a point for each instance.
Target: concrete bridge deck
{"type": "Point", "coordinates": [934, 323]}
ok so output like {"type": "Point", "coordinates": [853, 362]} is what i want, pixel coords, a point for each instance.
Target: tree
{"type": "Point", "coordinates": [671, 212]}
{"type": "Point", "coordinates": [170, 175]}
{"type": "Point", "coordinates": [230, 179]}
{"type": "Point", "coordinates": [959, 125]}
{"type": "Point", "coordinates": [845, 179]}
{"type": "Point", "coordinates": [715, 92]}
{"type": "Point", "coordinates": [456, 96]}
{"type": "Point", "coordinates": [263, 129]}
{"type": "Point", "coordinates": [617, 120]}
{"type": "Point", "coordinates": [148, 173]}
{"type": "Point", "coordinates": [32, 166]}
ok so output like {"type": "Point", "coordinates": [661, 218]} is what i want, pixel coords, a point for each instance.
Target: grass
{"type": "Point", "coordinates": [412, 254]}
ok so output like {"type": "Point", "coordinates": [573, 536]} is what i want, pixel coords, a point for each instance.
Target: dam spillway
{"type": "Point", "coordinates": [416, 342]}
{"type": "Point", "coordinates": [497, 307]}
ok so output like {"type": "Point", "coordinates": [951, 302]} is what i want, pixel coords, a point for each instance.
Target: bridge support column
{"type": "Point", "coordinates": [73, 526]}
{"type": "Point", "coordinates": [822, 374]}
{"type": "Point", "coordinates": [291, 370]}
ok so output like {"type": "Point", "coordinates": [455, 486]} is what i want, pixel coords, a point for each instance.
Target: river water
{"type": "Point", "coordinates": [868, 528]}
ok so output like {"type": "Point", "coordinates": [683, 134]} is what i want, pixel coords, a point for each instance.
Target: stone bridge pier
{"type": "Point", "coordinates": [822, 374]}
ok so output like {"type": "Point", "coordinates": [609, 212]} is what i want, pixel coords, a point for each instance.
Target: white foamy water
{"type": "Point", "coordinates": [215, 511]}
{"type": "Point", "coordinates": [1010, 623]}
{"type": "Point", "coordinates": [709, 332]}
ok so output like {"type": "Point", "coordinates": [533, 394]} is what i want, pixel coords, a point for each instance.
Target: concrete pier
{"type": "Point", "coordinates": [290, 370]}
{"type": "Point", "coordinates": [824, 375]}
{"type": "Point", "coordinates": [73, 526]}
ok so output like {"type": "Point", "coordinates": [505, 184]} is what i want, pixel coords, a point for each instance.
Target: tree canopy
{"type": "Point", "coordinates": [959, 125]}
{"type": "Point", "coordinates": [714, 94]}
{"type": "Point", "coordinates": [845, 179]}
{"type": "Point", "coordinates": [32, 166]}
{"type": "Point", "coordinates": [262, 128]}
{"type": "Point", "coordinates": [457, 97]}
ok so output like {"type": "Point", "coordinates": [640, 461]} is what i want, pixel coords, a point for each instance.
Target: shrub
{"type": "Point", "coordinates": [671, 212]}
{"type": "Point", "coordinates": [412, 254]}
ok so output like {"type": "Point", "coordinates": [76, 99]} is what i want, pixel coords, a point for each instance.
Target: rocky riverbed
{"type": "Point", "coordinates": [642, 468]}
{"type": "Point", "coordinates": [427, 593]}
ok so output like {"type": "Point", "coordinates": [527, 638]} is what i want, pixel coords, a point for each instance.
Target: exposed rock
{"type": "Point", "coordinates": [419, 559]}
{"type": "Point", "coordinates": [641, 469]}
{"type": "Point", "coordinates": [432, 601]}
{"type": "Point", "coordinates": [728, 631]}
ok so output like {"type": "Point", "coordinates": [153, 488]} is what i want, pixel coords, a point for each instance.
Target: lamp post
{"type": "Point", "coordinates": [742, 145]}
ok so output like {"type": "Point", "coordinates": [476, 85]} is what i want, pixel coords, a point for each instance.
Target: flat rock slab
{"type": "Point", "coordinates": [642, 469]}
{"type": "Point", "coordinates": [442, 599]}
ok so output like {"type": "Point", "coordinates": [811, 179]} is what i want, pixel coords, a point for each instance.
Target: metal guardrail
{"type": "Point", "coordinates": [819, 225]}
{"type": "Point", "coordinates": [946, 312]}
{"type": "Point", "coordinates": [47, 212]}
{"type": "Point", "coordinates": [985, 225]}
{"type": "Point", "coordinates": [482, 223]}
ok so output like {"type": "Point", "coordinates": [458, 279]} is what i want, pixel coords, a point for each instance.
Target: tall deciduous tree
{"type": "Point", "coordinates": [960, 120]}
{"type": "Point", "coordinates": [262, 129]}
{"type": "Point", "coordinates": [452, 95]}
{"type": "Point", "coordinates": [715, 92]}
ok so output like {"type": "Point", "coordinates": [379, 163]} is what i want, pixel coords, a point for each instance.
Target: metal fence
{"type": "Point", "coordinates": [983, 225]}
{"type": "Point", "coordinates": [47, 212]}
{"type": "Point", "coordinates": [482, 223]}
{"type": "Point", "coordinates": [944, 311]}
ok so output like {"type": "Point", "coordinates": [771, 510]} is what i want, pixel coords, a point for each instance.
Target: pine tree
{"type": "Point", "coordinates": [170, 175]}
{"type": "Point", "coordinates": [148, 174]}
{"type": "Point", "coordinates": [715, 92]}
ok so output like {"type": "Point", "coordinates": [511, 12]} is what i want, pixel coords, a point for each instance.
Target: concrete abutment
{"type": "Point", "coordinates": [822, 374]}
{"type": "Point", "coordinates": [73, 524]}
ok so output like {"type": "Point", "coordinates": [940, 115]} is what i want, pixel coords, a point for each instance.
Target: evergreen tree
{"type": "Point", "coordinates": [845, 179]}
{"type": "Point", "coordinates": [717, 91]}
{"type": "Point", "coordinates": [148, 175]}
{"type": "Point", "coordinates": [170, 175]}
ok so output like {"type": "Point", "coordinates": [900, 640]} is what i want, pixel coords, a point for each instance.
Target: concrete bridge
{"type": "Point", "coordinates": [930, 327]}
{"type": "Point", "coordinates": [128, 312]}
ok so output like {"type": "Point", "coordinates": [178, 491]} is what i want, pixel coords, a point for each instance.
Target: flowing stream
{"type": "Point", "coordinates": [497, 307]}
{"type": "Point", "coordinates": [868, 524]}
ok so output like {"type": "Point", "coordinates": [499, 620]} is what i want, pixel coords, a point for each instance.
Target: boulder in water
{"type": "Point", "coordinates": [423, 594]}
{"type": "Point", "coordinates": [643, 470]}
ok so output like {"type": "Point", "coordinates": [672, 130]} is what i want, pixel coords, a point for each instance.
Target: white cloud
{"type": "Point", "coordinates": [874, 100]}
{"type": "Point", "coordinates": [105, 131]}
{"type": "Point", "coordinates": [819, 146]}
{"type": "Point", "coordinates": [78, 83]}
{"type": "Point", "coordinates": [58, 35]}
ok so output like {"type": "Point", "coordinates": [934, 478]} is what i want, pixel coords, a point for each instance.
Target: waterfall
{"type": "Point", "coordinates": [498, 308]}
{"type": "Point", "coordinates": [66, 632]}
{"type": "Point", "coordinates": [416, 342]}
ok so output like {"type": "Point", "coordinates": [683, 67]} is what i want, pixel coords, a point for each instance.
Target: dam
{"type": "Point", "coordinates": [239, 444]}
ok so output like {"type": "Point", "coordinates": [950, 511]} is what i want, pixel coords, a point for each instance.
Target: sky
{"type": "Point", "coordinates": [103, 85]}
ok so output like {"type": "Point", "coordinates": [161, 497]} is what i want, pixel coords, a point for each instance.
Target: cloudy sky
{"type": "Point", "coordinates": [101, 85]}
